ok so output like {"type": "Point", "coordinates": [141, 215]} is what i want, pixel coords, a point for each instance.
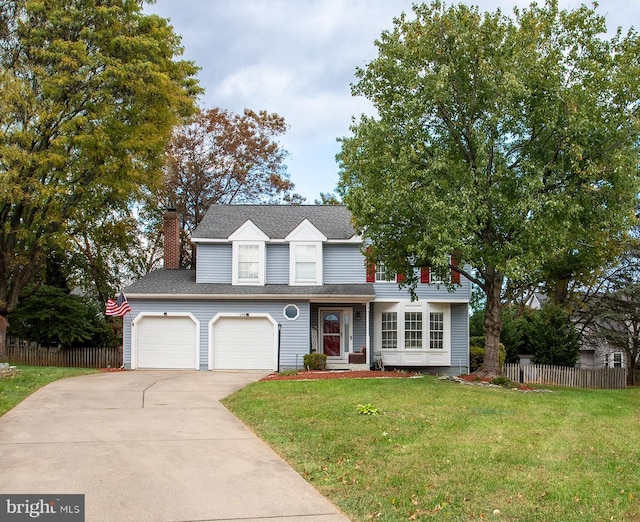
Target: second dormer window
{"type": "Point", "coordinates": [306, 263]}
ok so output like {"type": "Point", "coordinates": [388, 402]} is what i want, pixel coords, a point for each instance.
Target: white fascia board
{"type": "Point", "coordinates": [351, 241]}
{"type": "Point", "coordinates": [258, 297]}
{"type": "Point", "coordinates": [208, 240]}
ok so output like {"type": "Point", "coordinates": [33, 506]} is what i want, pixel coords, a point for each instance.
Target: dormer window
{"type": "Point", "coordinates": [248, 255]}
{"type": "Point", "coordinates": [248, 263]}
{"type": "Point", "coordinates": [306, 263]}
{"type": "Point", "coordinates": [305, 254]}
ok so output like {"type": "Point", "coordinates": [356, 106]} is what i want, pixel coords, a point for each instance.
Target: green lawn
{"type": "Point", "coordinates": [445, 451]}
{"type": "Point", "coordinates": [15, 389]}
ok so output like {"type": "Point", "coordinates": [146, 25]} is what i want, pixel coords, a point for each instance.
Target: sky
{"type": "Point", "coordinates": [298, 58]}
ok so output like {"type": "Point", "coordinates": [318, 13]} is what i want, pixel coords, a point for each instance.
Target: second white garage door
{"type": "Point", "coordinates": [244, 343]}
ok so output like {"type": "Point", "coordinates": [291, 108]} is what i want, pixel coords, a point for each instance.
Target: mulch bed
{"type": "Point", "coordinates": [313, 375]}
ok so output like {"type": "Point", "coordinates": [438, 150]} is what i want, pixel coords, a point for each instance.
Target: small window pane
{"type": "Point", "coordinates": [413, 330]}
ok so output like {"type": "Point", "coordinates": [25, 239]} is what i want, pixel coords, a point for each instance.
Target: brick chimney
{"type": "Point", "coordinates": [171, 240]}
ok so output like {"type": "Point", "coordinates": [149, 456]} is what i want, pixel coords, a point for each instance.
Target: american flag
{"type": "Point", "coordinates": [118, 307]}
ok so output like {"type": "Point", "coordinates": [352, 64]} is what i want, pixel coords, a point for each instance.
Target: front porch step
{"type": "Point", "coordinates": [337, 366]}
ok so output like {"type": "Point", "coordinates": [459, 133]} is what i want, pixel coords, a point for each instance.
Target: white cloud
{"type": "Point", "coordinates": [298, 58]}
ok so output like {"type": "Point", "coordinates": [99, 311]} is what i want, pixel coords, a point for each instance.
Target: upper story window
{"type": "Point", "coordinates": [306, 264]}
{"type": "Point", "coordinates": [382, 274]}
{"type": "Point", "coordinates": [248, 263]}
{"type": "Point", "coordinates": [305, 254]}
{"type": "Point", "coordinates": [248, 255]}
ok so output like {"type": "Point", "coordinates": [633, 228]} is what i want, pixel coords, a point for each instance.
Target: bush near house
{"type": "Point", "coordinates": [315, 361]}
{"type": "Point", "coordinates": [476, 357]}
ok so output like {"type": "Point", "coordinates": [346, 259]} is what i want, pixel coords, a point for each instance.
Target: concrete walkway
{"type": "Point", "coordinates": [151, 446]}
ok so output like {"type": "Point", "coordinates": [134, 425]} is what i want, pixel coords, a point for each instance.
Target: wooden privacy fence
{"type": "Point", "coordinates": [30, 353]}
{"type": "Point", "coordinates": [604, 378]}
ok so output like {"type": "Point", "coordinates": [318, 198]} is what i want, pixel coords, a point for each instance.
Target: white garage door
{"type": "Point", "coordinates": [244, 343]}
{"type": "Point", "coordinates": [166, 342]}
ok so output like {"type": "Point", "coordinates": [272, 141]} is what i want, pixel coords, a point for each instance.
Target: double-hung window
{"type": "Point", "coordinates": [306, 263]}
{"type": "Point", "coordinates": [248, 263]}
{"type": "Point", "coordinates": [382, 274]}
{"type": "Point", "coordinates": [413, 330]}
{"type": "Point", "coordinates": [436, 330]}
{"type": "Point", "coordinates": [389, 323]}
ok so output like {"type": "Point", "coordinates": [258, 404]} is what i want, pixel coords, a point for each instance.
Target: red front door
{"type": "Point", "coordinates": [332, 333]}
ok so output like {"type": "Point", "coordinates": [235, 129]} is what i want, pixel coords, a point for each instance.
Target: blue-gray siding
{"type": "Point", "coordinates": [459, 339]}
{"type": "Point", "coordinates": [213, 263]}
{"type": "Point", "coordinates": [277, 264]}
{"type": "Point", "coordinates": [294, 334]}
{"type": "Point", "coordinates": [391, 291]}
{"type": "Point", "coordinates": [343, 264]}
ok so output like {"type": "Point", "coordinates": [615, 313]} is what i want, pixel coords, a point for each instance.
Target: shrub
{"type": "Point", "coordinates": [288, 372]}
{"type": "Point", "coordinates": [476, 357]}
{"type": "Point", "coordinates": [501, 380]}
{"type": "Point", "coordinates": [315, 361]}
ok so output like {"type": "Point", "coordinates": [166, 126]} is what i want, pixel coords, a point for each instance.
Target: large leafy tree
{"type": "Point", "coordinates": [221, 158]}
{"type": "Point", "coordinates": [89, 94]}
{"type": "Point", "coordinates": [510, 143]}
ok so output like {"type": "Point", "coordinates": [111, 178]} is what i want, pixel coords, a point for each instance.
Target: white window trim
{"type": "Point", "coordinates": [406, 306]}
{"type": "Point", "coordinates": [284, 312]}
{"type": "Point", "coordinates": [317, 281]}
{"type": "Point", "coordinates": [260, 281]}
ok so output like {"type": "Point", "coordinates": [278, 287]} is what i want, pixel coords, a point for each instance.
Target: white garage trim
{"type": "Point", "coordinates": [218, 317]}
{"type": "Point", "coordinates": [141, 316]}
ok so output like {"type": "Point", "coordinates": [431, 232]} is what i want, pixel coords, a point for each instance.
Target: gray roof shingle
{"type": "Point", "coordinates": [276, 221]}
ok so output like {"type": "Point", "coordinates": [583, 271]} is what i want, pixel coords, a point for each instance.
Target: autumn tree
{"type": "Point", "coordinates": [223, 158]}
{"type": "Point", "coordinates": [506, 144]}
{"type": "Point", "coordinates": [89, 95]}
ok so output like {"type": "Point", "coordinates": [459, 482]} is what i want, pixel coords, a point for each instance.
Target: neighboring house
{"type": "Point", "coordinates": [273, 283]}
{"type": "Point", "coordinates": [595, 352]}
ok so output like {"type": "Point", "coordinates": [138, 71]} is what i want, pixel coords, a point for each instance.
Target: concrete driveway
{"type": "Point", "coordinates": [151, 446]}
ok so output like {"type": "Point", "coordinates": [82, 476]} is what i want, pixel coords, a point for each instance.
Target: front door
{"type": "Point", "coordinates": [335, 333]}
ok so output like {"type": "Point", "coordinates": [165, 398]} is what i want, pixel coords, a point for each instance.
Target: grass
{"type": "Point", "coordinates": [445, 451]}
{"type": "Point", "coordinates": [14, 390]}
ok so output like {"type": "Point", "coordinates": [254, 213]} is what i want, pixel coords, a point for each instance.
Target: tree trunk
{"type": "Point", "coordinates": [4, 357]}
{"type": "Point", "coordinates": [492, 327]}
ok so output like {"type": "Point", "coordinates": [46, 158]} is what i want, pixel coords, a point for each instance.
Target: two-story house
{"type": "Point", "coordinates": [273, 283]}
